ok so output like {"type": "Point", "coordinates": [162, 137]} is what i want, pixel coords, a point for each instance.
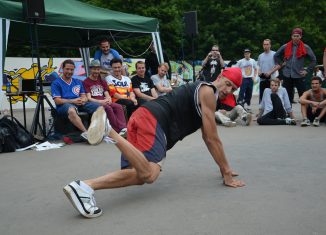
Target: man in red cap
{"type": "Point", "coordinates": [291, 56]}
{"type": "Point", "coordinates": [153, 129]}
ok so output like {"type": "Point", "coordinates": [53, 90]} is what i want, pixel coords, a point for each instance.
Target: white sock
{"type": "Point", "coordinates": [86, 187]}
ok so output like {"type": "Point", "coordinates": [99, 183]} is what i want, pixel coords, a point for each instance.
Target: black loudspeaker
{"type": "Point", "coordinates": [190, 19]}
{"type": "Point", "coordinates": [34, 10]}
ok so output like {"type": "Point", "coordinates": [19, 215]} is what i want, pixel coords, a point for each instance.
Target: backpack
{"type": "Point", "coordinates": [13, 135]}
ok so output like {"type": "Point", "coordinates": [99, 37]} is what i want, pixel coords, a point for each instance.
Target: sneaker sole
{"type": "Point", "coordinates": [95, 132]}
{"type": "Point", "coordinates": [71, 195]}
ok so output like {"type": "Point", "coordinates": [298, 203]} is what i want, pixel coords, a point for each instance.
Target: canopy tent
{"type": "Point", "coordinates": [73, 24]}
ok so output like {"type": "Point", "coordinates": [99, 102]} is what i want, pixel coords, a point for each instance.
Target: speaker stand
{"type": "Point", "coordinates": [41, 96]}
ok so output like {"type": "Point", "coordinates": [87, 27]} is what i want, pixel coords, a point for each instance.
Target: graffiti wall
{"type": "Point", "coordinates": [19, 69]}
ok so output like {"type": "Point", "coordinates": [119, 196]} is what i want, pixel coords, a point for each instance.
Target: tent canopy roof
{"type": "Point", "coordinates": [74, 24]}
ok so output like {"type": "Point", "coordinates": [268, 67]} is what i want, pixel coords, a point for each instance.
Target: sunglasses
{"type": "Point", "coordinates": [215, 50]}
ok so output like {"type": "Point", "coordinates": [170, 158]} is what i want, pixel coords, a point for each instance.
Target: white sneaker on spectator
{"type": "Point", "coordinates": [316, 122]}
{"type": "Point", "coordinates": [84, 135]}
{"type": "Point", "coordinates": [290, 121]}
{"type": "Point", "coordinates": [123, 132]}
{"type": "Point", "coordinates": [305, 122]}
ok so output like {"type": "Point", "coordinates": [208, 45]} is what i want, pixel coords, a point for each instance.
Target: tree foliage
{"type": "Point", "coordinates": [233, 25]}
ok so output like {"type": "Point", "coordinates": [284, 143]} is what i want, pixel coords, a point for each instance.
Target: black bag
{"type": "Point", "coordinates": [7, 139]}
{"type": "Point", "coordinates": [13, 135]}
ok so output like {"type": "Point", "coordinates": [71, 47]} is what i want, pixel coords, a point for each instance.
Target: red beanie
{"type": "Point", "coordinates": [234, 75]}
{"type": "Point", "coordinates": [297, 31]}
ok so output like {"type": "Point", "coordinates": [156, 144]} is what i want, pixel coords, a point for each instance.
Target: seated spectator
{"type": "Point", "coordinates": [105, 54]}
{"type": "Point", "coordinates": [69, 96]}
{"type": "Point", "coordinates": [143, 86]}
{"type": "Point", "coordinates": [97, 91]}
{"type": "Point", "coordinates": [227, 112]}
{"type": "Point", "coordinates": [120, 88]}
{"type": "Point", "coordinates": [313, 103]}
{"type": "Point", "coordinates": [162, 84]}
{"type": "Point", "coordinates": [275, 105]}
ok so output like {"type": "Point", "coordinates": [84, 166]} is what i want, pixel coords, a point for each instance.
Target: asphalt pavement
{"type": "Point", "coordinates": [284, 168]}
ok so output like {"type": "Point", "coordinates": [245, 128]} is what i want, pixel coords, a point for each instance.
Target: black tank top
{"type": "Point", "coordinates": [178, 112]}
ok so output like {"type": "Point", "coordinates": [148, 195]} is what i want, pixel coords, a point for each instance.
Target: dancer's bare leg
{"type": "Point", "coordinates": [142, 172]}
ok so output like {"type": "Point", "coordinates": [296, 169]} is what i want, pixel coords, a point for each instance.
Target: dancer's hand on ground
{"type": "Point", "coordinates": [230, 182]}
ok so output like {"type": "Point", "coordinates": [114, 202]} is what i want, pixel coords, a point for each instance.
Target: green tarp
{"type": "Point", "coordinates": [71, 23]}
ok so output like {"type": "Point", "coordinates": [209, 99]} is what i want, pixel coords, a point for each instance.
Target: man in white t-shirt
{"type": "Point", "coordinates": [267, 69]}
{"type": "Point", "coordinates": [248, 68]}
{"type": "Point", "coordinates": [161, 84]}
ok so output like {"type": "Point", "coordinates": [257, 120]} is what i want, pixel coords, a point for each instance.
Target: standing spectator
{"type": "Point", "coordinates": [313, 103]}
{"type": "Point", "coordinates": [97, 91]}
{"type": "Point", "coordinates": [161, 84]}
{"type": "Point", "coordinates": [266, 67]}
{"type": "Point", "coordinates": [69, 96]}
{"type": "Point", "coordinates": [143, 86]}
{"type": "Point", "coordinates": [275, 106]}
{"type": "Point", "coordinates": [213, 64]}
{"type": "Point", "coordinates": [152, 63]}
{"type": "Point", "coordinates": [120, 88]}
{"type": "Point", "coordinates": [248, 67]}
{"type": "Point", "coordinates": [105, 54]}
{"type": "Point", "coordinates": [292, 55]}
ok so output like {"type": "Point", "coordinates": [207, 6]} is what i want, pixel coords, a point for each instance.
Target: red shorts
{"type": "Point", "coordinates": [146, 134]}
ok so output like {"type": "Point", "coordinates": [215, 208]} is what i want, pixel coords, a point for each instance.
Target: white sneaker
{"type": "Point", "coordinates": [247, 108]}
{"type": "Point", "coordinates": [316, 122]}
{"type": "Point", "coordinates": [84, 135]}
{"type": "Point", "coordinates": [290, 121]}
{"type": "Point", "coordinates": [97, 128]}
{"type": "Point", "coordinates": [305, 122]}
{"type": "Point", "coordinates": [83, 201]}
{"type": "Point", "coordinates": [123, 132]}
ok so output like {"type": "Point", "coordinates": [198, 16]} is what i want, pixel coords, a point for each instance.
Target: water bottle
{"type": "Point", "coordinates": [8, 86]}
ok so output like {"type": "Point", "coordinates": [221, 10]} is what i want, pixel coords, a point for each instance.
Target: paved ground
{"type": "Point", "coordinates": [284, 169]}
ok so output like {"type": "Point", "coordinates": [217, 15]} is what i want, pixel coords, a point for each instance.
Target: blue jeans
{"type": "Point", "coordinates": [88, 107]}
{"type": "Point", "coordinates": [245, 93]}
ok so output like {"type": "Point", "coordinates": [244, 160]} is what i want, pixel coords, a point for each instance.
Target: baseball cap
{"type": "Point", "coordinates": [234, 74]}
{"type": "Point", "coordinates": [297, 31]}
{"type": "Point", "coordinates": [246, 50]}
{"type": "Point", "coordinates": [95, 63]}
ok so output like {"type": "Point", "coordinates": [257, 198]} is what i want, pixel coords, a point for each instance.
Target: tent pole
{"type": "Point", "coordinates": [85, 54]}
{"type": "Point", "coordinates": [158, 47]}
{"type": "Point", "coordinates": [5, 24]}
